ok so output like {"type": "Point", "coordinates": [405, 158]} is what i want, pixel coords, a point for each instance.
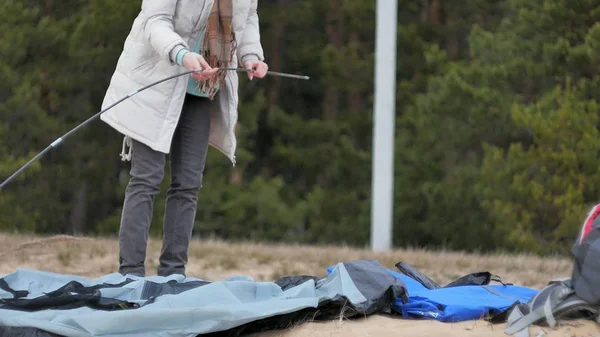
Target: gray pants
{"type": "Point", "coordinates": [187, 159]}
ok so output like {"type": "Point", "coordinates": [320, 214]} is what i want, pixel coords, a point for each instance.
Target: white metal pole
{"type": "Point", "coordinates": [384, 125]}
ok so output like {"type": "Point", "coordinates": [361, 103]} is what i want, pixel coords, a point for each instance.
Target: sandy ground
{"type": "Point", "coordinates": [384, 326]}
{"type": "Point", "coordinates": [214, 260]}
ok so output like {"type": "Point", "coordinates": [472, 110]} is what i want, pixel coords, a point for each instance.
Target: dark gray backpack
{"type": "Point", "coordinates": [586, 265]}
{"type": "Point", "coordinates": [577, 297]}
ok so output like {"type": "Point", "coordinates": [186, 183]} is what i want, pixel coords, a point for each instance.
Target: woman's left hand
{"type": "Point", "coordinates": [256, 68]}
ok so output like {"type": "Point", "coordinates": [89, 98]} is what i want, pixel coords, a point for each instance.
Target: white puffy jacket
{"type": "Point", "coordinates": [160, 30]}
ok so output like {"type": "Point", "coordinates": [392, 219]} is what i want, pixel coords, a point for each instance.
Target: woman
{"type": "Point", "coordinates": [180, 117]}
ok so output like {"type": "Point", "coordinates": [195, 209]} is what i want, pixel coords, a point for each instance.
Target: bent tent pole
{"type": "Point", "coordinates": [61, 139]}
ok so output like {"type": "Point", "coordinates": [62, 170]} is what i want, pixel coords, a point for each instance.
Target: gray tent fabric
{"type": "Point", "coordinates": [174, 306]}
{"type": "Point", "coordinates": [25, 332]}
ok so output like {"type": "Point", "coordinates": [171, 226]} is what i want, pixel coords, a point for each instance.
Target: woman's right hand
{"type": "Point", "coordinates": [195, 61]}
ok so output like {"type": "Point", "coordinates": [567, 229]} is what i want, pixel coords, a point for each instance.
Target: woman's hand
{"type": "Point", "coordinates": [195, 61]}
{"type": "Point", "coordinates": [256, 68]}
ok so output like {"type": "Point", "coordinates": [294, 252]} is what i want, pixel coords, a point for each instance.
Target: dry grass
{"type": "Point", "coordinates": [214, 260]}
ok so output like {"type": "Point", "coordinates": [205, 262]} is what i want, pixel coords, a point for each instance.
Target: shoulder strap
{"type": "Point", "coordinates": [518, 322]}
{"type": "Point", "coordinates": [515, 316]}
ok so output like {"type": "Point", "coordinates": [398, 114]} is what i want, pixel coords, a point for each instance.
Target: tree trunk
{"type": "Point", "coordinates": [434, 12]}
{"type": "Point", "coordinates": [354, 98]}
{"type": "Point", "coordinates": [47, 7]}
{"type": "Point", "coordinates": [452, 43]}
{"type": "Point", "coordinates": [431, 12]}
{"type": "Point", "coordinates": [79, 210]}
{"type": "Point", "coordinates": [483, 12]}
{"type": "Point", "coordinates": [334, 30]}
{"type": "Point", "coordinates": [425, 11]}
{"type": "Point", "coordinates": [276, 57]}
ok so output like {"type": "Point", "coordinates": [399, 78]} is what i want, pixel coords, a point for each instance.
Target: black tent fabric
{"type": "Point", "coordinates": [472, 279]}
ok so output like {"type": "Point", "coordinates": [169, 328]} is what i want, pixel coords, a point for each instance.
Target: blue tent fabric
{"type": "Point", "coordinates": [457, 303]}
{"type": "Point", "coordinates": [463, 303]}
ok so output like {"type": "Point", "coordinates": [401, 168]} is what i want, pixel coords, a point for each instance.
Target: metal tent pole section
{"type": "Point", "coordinates": [273, 73]}
{"type": "Point", "coordinates": [383, 126]}
{"type": "Point", "coordinates": [58, 141]}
